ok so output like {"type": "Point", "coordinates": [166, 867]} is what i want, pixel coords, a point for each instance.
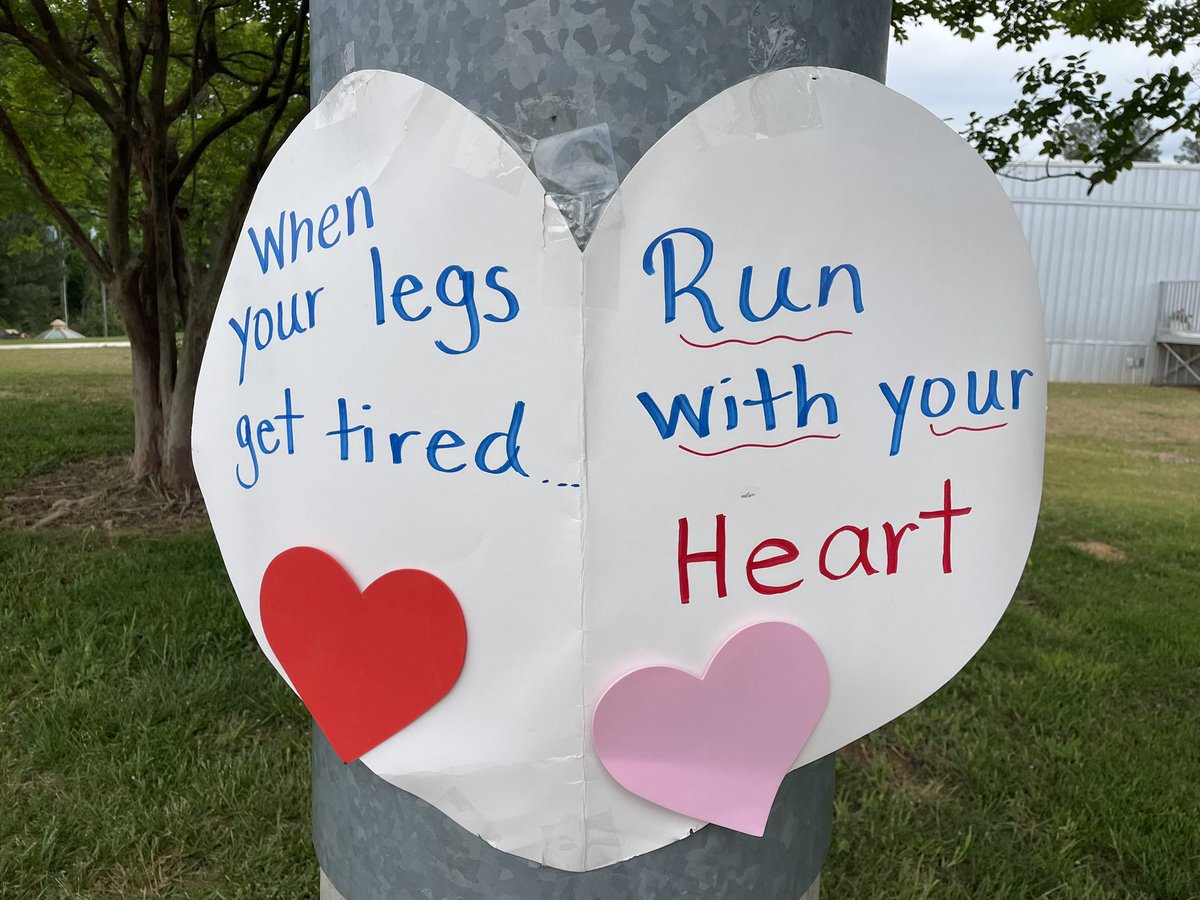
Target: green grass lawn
{"type": "Point", "coordinates": [58, 406]}
{"type": "Point", "coordinates": [1064, 761]}
{"type": "Point", "coordinates": [148, 750]}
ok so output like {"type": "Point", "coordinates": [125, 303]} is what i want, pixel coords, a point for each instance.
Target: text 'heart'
{"type": "Point", "coordinates": [716, 747]}
{"type": "Point", "coordinates": [365, 663]}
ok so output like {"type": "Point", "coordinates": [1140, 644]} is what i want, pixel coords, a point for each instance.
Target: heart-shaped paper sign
{"type": "Point", "coordinates": [796, 377]}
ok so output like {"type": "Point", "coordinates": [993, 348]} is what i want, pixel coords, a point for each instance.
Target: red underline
{"type": "Point", "coordinates": [803, 437]}
{"type": "Point", "coordinates": [777, 337]}
{"type": "Point", "coordinates": [937, 433]}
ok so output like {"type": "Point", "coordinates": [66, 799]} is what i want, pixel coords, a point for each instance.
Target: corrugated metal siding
{"type": "Point", "coordinates": [1101, 258]}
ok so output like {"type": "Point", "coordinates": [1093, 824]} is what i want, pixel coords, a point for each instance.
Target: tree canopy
{"type": "Point", "coordinates": [29, 275]}
{"type": "Point", "coordinates": [1085, 135]}
{"type": "Point", "coordinates": [1189, 151]}
{"type": "Point", "coordinates": [142, 129]}
{"type": "Point", "coordinates": [1055, 97]}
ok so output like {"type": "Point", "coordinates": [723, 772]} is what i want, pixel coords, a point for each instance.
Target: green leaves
{"type": "Point", "coordinates": [1055, 95]}
{"type": "Point", "coordinates": [77, 79]}
{"type": "Point", "coordinates": [155, 121]}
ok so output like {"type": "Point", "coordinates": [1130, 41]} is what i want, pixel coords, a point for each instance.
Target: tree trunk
{"type": "Point", "coordinates": [177, 468]}
{"type": "Point", "coordinates": [162, 405]}
{"type": "Point", "coordinates": [141, 324]}
{"type": "Point", "coordinates": [148, 94]}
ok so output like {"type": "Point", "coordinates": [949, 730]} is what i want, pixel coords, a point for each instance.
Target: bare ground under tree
{"type": "Point", "coordinates": [99, 493]}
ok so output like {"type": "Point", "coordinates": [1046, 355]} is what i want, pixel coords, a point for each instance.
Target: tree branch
{"type": "Point", "coordinates": [109, 42]}
{"type": "Point", "coordinates": [57, 61]}
{"type": "Point", "coordinates": [72, 59]}
{"type": "Point", "coordinates": [59, 212]}
{"type": "Point", "coordinates": [204, 62]}
{"type": "Point", "coordinates": [204, 302]}
{"type": "Point", "coordinates": [189, 160]}
{"type": "Point", "coordinates": [126, 61]}
{"type": "Point", "coordinates": [117, 208]}
{"type": "Point", "coordinates": [1178, 121]}
{"type": "Point", "coordinates": [137, 57]}
{"type": "Point", "coordinates": [261, 99]}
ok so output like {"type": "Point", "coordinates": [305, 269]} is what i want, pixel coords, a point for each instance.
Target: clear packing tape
{"type": "Point", "coordinates": [579, 167]}
{"type": "Point", "coordinates": [775, 44]}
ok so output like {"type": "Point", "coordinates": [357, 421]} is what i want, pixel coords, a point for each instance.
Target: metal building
{"type": "Point", "coordinates": [1119, 269]}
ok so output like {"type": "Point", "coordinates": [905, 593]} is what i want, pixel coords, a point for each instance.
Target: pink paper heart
{"type": "Point", "coordinates": [716, 747]}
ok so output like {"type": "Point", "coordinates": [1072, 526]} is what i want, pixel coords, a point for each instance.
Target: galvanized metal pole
{"type": "Point", "coordinates": [612, 76]}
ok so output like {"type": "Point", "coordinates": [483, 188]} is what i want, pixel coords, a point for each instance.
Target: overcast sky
{"type": "Point", "coordinates": [951, 77]}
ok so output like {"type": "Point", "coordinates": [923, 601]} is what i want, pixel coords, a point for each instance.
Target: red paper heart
{"type": "Point", "coordinates": [369, 663]}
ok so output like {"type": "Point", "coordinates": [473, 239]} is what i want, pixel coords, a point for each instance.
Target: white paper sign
{"type": "Point", "coordinates": [797, 377]}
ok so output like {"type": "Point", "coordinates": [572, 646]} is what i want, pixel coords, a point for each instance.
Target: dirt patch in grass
{"type": "Point", "coordinates": [1099, 550]}
{"type": "Point", "coordinates": [99, 493]}
{"type": "Point", "coordinates": [904, 770]}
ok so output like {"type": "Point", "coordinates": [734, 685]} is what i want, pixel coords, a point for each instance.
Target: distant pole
{"type": "Point", "coordinates": [616, 73]}
{"type": "Point", "coordinates": [51, 236]}
{"type": "Point", "coordinates": [92, 233]}
{"type": "Point", "coordinates": [66, 313]}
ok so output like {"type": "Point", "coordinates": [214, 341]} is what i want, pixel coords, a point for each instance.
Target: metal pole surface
{"type": "Point", "coordinates": [614, 75]}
